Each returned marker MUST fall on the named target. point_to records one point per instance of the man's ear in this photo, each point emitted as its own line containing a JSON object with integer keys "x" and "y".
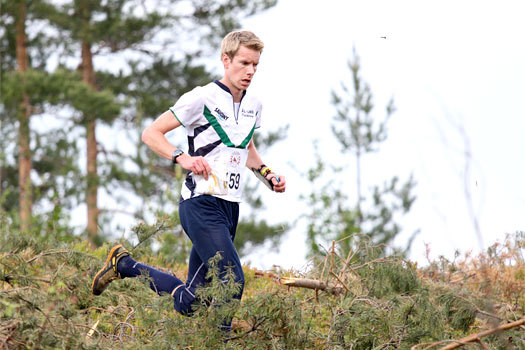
{"x": 226, "y": 60}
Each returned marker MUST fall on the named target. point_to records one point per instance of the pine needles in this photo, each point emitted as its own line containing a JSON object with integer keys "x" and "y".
{"x": 377, "y": 302}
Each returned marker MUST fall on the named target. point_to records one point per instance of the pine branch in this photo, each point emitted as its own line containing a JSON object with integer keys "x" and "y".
{"x": 304, "y": 282}
{"x": 477, "y": 337}
{"x": 312, "y": 284}
{"x": 473, "y": 338}
{"x": 50, "y": 252}
{"x": 254, "y": 328}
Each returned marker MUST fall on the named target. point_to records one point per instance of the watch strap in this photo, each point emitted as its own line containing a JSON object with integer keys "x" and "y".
{"x": 175, "y": 155}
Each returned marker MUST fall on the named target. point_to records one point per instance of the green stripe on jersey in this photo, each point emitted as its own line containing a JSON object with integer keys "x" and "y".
{"x": 217, "y": 127}
{"x": 222, "y": 134}
{"x": 247, "y": 139}
{"x": 176, "y": 116}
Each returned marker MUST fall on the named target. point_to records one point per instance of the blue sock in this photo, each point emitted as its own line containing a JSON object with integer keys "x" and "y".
{"x": 159, "y": 281}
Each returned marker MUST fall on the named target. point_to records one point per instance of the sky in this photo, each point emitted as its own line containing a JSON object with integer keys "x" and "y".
{"x": 456, "y": 72}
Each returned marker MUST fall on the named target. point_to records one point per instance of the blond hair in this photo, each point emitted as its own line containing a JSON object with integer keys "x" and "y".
{"x": 231, "y": 42}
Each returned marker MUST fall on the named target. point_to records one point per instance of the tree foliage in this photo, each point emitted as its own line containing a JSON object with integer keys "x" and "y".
{"x": 158, "y": 51}
{"x": 358, "y": 132}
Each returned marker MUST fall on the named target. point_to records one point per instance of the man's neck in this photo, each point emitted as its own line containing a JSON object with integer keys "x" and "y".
{"x": 236, "y": 93}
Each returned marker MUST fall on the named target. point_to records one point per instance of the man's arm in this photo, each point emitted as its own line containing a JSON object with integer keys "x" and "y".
{"x": 154, "y": 137}
{"x": 254, "y": 161}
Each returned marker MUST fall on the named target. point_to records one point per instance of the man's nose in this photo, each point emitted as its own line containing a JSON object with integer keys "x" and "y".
{"x": 251, "y": 69}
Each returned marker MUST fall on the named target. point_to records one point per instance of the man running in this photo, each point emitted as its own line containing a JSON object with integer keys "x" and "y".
{"x": 220, "y": 119}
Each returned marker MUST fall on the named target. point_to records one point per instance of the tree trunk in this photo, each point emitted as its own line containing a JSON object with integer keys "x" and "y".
{"x": 359, "y": 197}
{"x": 24, "y": 161}
{"x": 88, "y": 76}
{"x": 358, "y": 145}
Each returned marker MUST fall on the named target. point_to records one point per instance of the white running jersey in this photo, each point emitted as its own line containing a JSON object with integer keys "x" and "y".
{"x": 219, "y": 132}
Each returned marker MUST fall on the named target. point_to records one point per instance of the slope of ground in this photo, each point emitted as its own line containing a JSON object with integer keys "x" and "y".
{"x": 360, "y": 300}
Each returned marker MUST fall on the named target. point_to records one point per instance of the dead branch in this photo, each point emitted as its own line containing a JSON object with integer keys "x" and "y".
{"x": 337, "y": 277}
{"x": 271, "y": 275}
{"x": 476, "y": 337}
{"x": 104, "y": 310}
{"x": 7, "y": 333}
{"x": 254, "y": 328}
{"x": 92, "y": 330}
{"x": 331, "y": 260}
{"x": 311, "y": 284}
{"x": 38, "y": 279}
{"x": 51, "y": 252}
{"x": 429, "y": 346}
{"x": 349, "y": 258}
{"x": 305, "y": 282}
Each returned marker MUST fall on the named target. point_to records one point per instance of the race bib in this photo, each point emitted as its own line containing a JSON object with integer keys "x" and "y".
{"x": 227, "y": 172}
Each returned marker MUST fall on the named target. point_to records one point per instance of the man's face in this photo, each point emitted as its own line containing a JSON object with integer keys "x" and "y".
{"x": 239, "y": 71}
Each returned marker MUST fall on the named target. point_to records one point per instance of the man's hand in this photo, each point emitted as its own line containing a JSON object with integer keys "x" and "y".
{"x": 197, "y": 165}
{"x": 278, "y": 182}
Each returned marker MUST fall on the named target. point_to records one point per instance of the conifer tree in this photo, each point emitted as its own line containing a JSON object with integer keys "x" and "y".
{"x": 105, "y": 26}
{"x": 51, "y": 156}
{"x": 19, "y": 9}
{"x": 22, "y": 81}
{"x": 157, "y": 78}
{"x": 130, "y": 97}
{"x": 359, "y": 133}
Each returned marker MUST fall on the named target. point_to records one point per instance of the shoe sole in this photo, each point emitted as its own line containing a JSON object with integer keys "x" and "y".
{"x": 108, "y": 261}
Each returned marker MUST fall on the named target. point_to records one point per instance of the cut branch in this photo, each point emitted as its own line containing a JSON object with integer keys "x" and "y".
{"x": 312, "y": 284}
{"x": 305, "y": 282}
{"x": 475, "y": 338}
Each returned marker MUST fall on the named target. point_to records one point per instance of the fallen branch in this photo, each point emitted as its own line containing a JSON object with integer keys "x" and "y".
{"x": 428, "y": 346}
{"x": 337, "y": 277}
{"x": 271, "y": 275}
{"x": 92, "y": 330}
{"x": 311, "y": 284}
{"x": 476, "y": 337}
{"x": 304, "y": 282}
{"x": 53, "y": 252}
{"x": 253, "y": 328}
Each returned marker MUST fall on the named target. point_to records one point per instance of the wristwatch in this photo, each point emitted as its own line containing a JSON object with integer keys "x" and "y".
{"x": 175, "y": 155}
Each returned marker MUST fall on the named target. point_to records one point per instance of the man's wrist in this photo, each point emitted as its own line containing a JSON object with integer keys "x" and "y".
{"x": 264, "y": 170}
{"x": 176, "y": 154}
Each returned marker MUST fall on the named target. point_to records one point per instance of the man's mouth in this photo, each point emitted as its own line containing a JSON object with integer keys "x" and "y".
{"x": 246, "y": 81}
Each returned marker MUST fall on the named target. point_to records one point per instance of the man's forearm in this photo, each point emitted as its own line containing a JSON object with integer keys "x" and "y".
{"x": 254, "y": 160}
{"x": 158, "y": 143}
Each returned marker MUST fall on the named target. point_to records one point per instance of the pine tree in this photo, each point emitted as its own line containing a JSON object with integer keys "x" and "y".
{"x": 51, "y": 156}
{"x": 127, "y": 98}
{"x": 151, "y": 84}
{"x": 23, "y": 116}
{"x": 359, "y": 133}
{"x": 99, "y": 24}
{"x": 24, "y": 94}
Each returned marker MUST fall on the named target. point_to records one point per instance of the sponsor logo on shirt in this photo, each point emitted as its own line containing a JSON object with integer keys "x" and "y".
{"x": 221, "y": 114}
{"x": 235, "y": 159}
{"x": 248, "y": 113}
